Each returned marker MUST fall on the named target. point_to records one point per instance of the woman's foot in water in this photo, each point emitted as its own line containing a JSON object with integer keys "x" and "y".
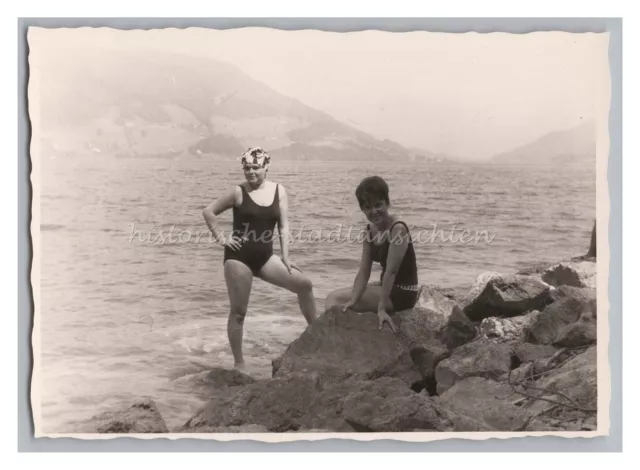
{"x": 239, "y": 366}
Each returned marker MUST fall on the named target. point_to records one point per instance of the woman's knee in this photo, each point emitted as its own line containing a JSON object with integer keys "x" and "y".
{"x": 304, "y": 286}
{"x": 237, "y": 315}
{"x": 334, "y": 298}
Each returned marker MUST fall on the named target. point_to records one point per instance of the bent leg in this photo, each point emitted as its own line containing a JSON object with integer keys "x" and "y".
{"x": 338, "y": 297}
{"x": 239, "y": 279}
{"x": 367, "y": 303}
{"x": 275, "y": 272}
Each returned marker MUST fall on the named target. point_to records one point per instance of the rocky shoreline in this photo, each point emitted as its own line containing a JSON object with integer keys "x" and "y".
{"x": 516, "y": 353}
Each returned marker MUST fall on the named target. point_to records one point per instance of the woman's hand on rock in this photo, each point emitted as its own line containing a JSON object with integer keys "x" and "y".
{"x": 383, "y": 317}
{"x": 348, "y": 305}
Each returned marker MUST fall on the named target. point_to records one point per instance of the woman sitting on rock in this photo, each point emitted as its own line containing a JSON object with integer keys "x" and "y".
{"x": 388, "y": 242}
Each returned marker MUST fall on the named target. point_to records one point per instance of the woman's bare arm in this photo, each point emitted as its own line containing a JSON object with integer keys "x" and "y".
{"x": 283, "y": 224}
{"x": 215, "y": 208}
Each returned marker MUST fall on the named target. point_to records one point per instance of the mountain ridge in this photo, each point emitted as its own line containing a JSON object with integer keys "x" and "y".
{"x": 159, "y": 103}
{"x": 573, "y": 145}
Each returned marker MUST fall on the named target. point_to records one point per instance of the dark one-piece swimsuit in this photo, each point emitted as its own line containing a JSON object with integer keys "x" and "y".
{"x": 405, "y": 290}
{"x": 254, "y": 224}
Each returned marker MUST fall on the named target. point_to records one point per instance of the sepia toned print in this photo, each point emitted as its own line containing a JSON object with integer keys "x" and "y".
{"x": 276, "y": 235}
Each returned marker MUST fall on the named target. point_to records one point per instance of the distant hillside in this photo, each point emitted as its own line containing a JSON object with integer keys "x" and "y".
{"x": 155, "y": 103}
{"x": 567, "y": 146}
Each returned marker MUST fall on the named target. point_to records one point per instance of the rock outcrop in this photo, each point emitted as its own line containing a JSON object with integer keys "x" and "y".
{"x": 556, "y": 323}
{"x": 507, "y": 296}
{"x": 141, "y": 417}
{"x": 341, "y": 345}
{"x": 528, "y": 352}
{"x": 508, "y": 329}
{"x": 426, "y": 357}
{"x": 517, "y": 353}
{"x": 384, "y": 405}
{"x": 437, "y": 343}
{"x": 477, "y": 359}
{"x": 576, "y": 274}
{"x": 459, "y": 329}
{"x": 437, "y": 300}
{"x": 488, "y": 402}
{"x": 577, "y": 379}
{"x": 280, "y": 404}
{"x": 574, "y": 385}
{"x": 442, "y": 371}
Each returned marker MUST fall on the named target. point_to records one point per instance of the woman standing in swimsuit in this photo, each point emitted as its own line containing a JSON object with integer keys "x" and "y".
{"x": 388, "y": 242}
{"x": 258, "y": 206}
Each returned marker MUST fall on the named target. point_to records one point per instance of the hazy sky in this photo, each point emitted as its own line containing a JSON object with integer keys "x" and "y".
{"x": 471, "y": 95}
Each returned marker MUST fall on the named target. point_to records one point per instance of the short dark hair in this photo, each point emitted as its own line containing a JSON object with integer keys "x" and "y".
{"x": 372, "y": 187}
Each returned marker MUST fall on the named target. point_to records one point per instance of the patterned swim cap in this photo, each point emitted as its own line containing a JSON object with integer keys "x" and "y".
{"x": 256, "y": 156}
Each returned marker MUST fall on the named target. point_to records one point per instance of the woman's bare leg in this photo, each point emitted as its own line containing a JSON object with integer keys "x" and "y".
{"x": 239, "y": 279}
{"x": 367, "y": 303}
{"x": 276, "y": 273}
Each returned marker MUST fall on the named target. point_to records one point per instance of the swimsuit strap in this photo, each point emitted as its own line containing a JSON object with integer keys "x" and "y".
{"x": 403, "y": 223}
{"x": 398, "y": 222}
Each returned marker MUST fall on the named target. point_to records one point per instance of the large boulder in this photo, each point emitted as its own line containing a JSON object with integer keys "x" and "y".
{"x": 459, "y": 329}
{"x": 508, "y": 296}
{"x": 528, "y": 352}
{"x": 522, "y": 372}
{"x": 576, "y": 379}
{"x": 574, "y": 273}
{"x": 437, "y": 345}
{"x": 480, "y": 283}
{"x": 431, "y": 336}
{"x": 341, "y": 345}
{"x": 419, "y": 326}
{"x": 299, "y": 403}
{"x": 580, "y": 333}
{"x": 487, "y": 402}
{"x": 427, "y": 356}
{"x": 579, "y": 294}
{"x": 437, "y": 300}
{"x": 570, "y": 306}
{"x": 480, "y": 358}
{"x": 512, "y": 329}
{"x": 141, "y": 417}
{"x": 281, "y": 404}
{"x": 386, "y": 405}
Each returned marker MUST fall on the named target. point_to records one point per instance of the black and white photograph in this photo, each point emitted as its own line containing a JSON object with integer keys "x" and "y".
{"x": 255, "y": 233}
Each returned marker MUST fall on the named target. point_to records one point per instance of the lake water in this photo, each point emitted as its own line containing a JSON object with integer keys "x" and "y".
{"x": 125, "y": 316}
